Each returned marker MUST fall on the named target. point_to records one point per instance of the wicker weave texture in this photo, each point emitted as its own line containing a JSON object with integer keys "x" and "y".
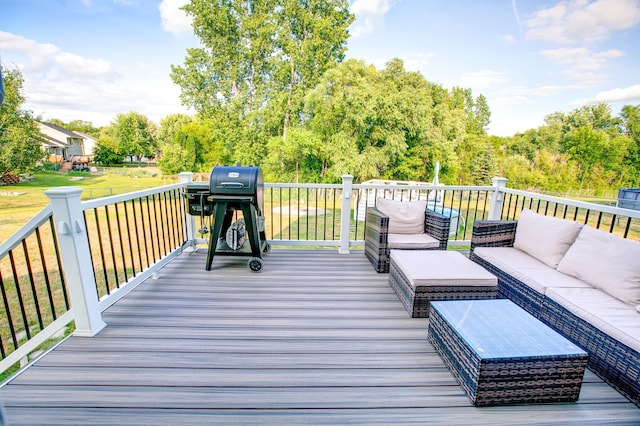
{"x": 417, "y": 301}
{"x": 614, "y": 362}
{"x": 493, "y": 233}
{"x": 376, "y": 245}
{"x": 510, "y": 381}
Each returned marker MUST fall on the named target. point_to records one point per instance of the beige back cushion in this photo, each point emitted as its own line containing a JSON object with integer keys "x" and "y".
{"x": 405, "y": 217}
{"x": 607, "y": 262}
{"x": 545, "y": 238}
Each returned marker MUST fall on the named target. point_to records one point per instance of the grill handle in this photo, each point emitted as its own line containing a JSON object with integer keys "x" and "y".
{"x": 232, "y": 184}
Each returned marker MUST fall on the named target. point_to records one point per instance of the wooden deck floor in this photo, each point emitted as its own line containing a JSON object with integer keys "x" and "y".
{"x": 316, "y": 338}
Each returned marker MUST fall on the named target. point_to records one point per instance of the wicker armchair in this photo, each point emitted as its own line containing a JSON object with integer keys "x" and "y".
{"x": 377, "y": 245}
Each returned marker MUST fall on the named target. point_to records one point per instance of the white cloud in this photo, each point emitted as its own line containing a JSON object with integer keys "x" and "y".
{"x": 581, "y": 57}
{"x": 416, "y": 61}
{"x": 625, "y": 94}
{"x": 47, "y": 59}
{"x": 67, "y": 86}
{"x": 72, "y": 65}
{"x": 482, "y": 79}
{"x": 582, "y": 62}
{"x": 369, "y": 14}
{"x": 38, "y": 56}
{"x": 518, "y": 95}
{"x": 174, "y": 19}
{"x": 582, "y": 21}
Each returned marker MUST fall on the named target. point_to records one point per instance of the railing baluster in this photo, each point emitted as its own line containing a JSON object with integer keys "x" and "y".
{"x": 101, "y": 250}
{"x": 599, "y": 220}
{"x": 152, "y": 233}
{"x": 32, "y": 283}
{"x": 130, "y": 238}
{"x": 145, "y": 242}
{"x": 627, "y": 227}
{"x": 16, "y": 281}
{"x": 159, "y": 228}
{"x": 45, "y": 274}
{"x": 315, "y": 234}
{"x": 9, "y": 317}
{"x": 120, "y": 240}
{"x": 59, "y": 263}
{"x": 168, "y": 208}
{"x": 137, "y": 234}
{"x": 182, "y": 222}
{"x": 111, "y": 248}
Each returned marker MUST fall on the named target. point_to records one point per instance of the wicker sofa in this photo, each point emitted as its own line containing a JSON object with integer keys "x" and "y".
{"x": 582, "y": 282}
{"x": 403, "y": 225}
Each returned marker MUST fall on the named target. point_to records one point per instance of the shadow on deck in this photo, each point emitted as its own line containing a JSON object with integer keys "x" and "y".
{"x": 317, "y": 337}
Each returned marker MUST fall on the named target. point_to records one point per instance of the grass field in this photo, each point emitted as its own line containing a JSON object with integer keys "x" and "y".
{"x": 20, "y": 202}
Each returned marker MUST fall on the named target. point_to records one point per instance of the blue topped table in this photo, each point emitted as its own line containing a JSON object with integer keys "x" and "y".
{"x": 500, "y": 354}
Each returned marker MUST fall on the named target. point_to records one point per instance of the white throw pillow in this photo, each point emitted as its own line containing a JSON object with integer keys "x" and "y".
{"x": 545, "y": 238}
{"x": 607, "y": 262}
{"x": 405, "y": 217}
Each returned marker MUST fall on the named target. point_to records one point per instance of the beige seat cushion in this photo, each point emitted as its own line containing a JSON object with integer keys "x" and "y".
{"x": 412, "y": 241}
{"x": 405, "y": 217}
{"x": 605, "y": 312}
{"x": 545, "y": 238}
{"x": 527, "y": 269}
{"x": 441, "y": 268}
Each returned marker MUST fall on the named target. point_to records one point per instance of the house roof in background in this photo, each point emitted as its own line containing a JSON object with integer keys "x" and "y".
{"x": 60, "y": 129}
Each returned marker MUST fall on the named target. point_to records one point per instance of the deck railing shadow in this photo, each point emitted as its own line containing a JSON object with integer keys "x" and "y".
{"x": 74, "y": 259}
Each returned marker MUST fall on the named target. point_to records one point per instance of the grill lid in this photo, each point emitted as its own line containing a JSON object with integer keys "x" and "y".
{"x": 237, "y": 181}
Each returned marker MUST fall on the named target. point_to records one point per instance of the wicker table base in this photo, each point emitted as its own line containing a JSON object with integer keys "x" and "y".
{"x": 418, "y": 277}
{"x": 502, "y": 355}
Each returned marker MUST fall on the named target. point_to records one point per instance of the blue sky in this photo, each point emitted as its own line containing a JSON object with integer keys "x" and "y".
{"x": 93, "y": 59}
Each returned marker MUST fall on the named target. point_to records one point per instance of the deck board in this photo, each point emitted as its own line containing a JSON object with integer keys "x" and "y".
{"x": 317, "y": 337}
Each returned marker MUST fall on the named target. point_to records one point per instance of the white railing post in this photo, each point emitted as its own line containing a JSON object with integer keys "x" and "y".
{"x": 187, "y": 177}
{"x": 345, "y": 219}
{"x": 76, "y": 259}
{"x": 497, "y": 199}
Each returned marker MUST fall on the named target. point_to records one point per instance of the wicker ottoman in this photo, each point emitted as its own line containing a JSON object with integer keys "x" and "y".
{"x": 419, "y": 276}
{"x": 500, "y": 354}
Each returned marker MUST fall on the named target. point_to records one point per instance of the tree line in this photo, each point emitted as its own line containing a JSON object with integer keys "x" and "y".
{"x": 271, "y": 87}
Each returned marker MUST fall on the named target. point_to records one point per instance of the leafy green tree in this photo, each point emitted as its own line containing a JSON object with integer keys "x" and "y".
{"x": 389, "y": 123}
{"x": 598, "y": 116}
{"x": 170, "y": 126}
{"x": 256, "y": 60}
{"x": 20, "y": 138}
{"x": 298, "y": 158}
{"x": 478, "y": 115}
{"x": 134, "y": 134}
{"x": 311, "y": 36}
{"x": 353, "y": 115}
{"x": 631, "y": 124}
{"x": 596, "y": 153}
{"x": 190, "y": 144}
{"x": 107, "y": 151}
{"x": 476, "y": 160}
{"x": 77, "y": 126}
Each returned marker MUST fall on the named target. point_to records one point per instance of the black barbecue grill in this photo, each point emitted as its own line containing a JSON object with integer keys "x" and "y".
{"x": 232, "y": 190}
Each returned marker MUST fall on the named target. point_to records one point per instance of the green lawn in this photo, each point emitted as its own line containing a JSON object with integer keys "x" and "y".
{"x": 21, "y": 201}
